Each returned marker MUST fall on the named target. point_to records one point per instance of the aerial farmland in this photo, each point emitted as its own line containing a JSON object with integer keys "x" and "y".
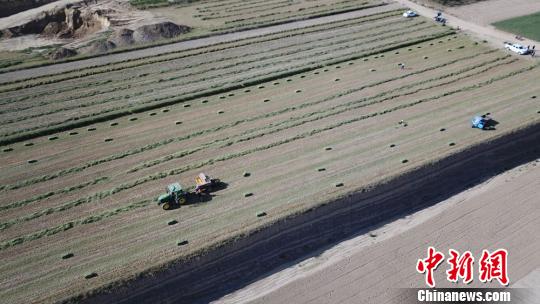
{"x": 298, "y": 117}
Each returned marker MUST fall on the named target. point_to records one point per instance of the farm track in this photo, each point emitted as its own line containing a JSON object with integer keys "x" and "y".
{"x": 327, "y": 127}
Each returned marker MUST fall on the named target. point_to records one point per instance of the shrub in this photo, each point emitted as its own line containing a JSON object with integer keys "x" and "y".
{"x": 67, "y": 256}
{"x": 248, "y": 194}
{"x": 172, "y": 222}
{"x": 182, "y": 243}
{"x": 261, "y": 214}
{"x": 339, "y": 185}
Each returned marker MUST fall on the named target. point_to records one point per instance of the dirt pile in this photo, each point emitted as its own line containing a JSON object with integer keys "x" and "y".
{"x": 68, "y": 22}
{"x": 89, "y": 27}
{"x": 152, "y": 32}
{"x": 62, "y": 53}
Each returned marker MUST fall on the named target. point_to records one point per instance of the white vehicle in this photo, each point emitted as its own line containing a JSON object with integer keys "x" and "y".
{"x": 516, "y": 48}
{"x": 409, "y": 14}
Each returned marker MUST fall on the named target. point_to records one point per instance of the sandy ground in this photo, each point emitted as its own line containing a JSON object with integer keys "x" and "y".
{"x": 503, "y": 212}
{"x": 474, "y": 21}
{"x": 487, "y": 12}
{"x": 185, "y": 45}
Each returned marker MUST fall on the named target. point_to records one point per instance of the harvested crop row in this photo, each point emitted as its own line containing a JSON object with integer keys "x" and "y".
{"x": 95, "y": 116}
{"x": 146, "y": 148}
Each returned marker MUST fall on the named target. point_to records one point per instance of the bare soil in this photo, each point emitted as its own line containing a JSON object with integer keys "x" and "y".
{"x": 370, "y": 268}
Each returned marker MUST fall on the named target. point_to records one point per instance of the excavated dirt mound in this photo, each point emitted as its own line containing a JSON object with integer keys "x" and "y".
{"x": 62, "y": 53}
{"x": 68, "y": 22}
{"x": 157, "y": 31}
{"x": 98, "y": 47}
{"x": 83, "y": 26}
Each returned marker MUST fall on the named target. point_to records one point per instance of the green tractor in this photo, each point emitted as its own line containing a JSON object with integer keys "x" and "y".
{"x": 175, "y": 197}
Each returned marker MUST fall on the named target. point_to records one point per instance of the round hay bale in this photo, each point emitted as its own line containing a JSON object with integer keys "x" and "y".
{"x": 452, "y": 144}
{"x": 328, "y": 148}
{"x": 221, "y": 112}
{"x": 404, "y": 161}
{"x": 298, "y": 91}
{"x": 177, "y": 122}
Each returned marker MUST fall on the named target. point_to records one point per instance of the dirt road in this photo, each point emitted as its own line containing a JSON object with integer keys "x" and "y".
{"x": 476, "y": 27}
{"x": 503, "y": 212}
{"x": 185, "y": 45}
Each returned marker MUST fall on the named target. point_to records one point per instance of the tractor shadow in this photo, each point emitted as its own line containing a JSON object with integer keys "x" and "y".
{"x": 490, "y": 125}
{"x": 194, "y": 199}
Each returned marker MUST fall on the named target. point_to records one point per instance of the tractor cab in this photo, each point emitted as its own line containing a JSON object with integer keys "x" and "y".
{"x": 439, "y": 18}
{"x": 174, "y": 197}
{"x": 481, "y": 122}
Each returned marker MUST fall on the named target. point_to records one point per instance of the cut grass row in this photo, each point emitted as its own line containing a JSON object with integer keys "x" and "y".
{"x": 205, "y": 34}
{"x": 219, "y": 76}
{"x": 177, "y": 56}
{"x": 298, "y": 17}
{"x": 176, "y": 171}
{"x": 170, "y": 100}
{"x": 165, "y": 142}
{"x": 245, "y": 59}
{"x": 40, "y": 197}
{"x": 201, "y": 72}
{"x": 314, "y": 116}
{"x": 292, "y": 122}
{"x": 163, "y": 57}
